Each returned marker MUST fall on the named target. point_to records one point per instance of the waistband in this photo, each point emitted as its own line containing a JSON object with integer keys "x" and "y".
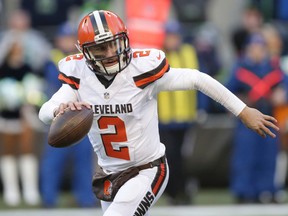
{"x": 154, "y": 163}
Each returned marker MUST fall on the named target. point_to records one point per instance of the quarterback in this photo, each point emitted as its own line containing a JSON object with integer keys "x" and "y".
{"x": 120, "y": 85}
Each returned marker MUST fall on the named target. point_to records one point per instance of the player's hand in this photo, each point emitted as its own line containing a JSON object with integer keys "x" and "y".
{"x": 73, "y": 105}
{"x": 258, "y": 122}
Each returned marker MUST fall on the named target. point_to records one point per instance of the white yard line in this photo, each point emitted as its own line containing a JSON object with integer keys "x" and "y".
{"x": 231, "y": 210}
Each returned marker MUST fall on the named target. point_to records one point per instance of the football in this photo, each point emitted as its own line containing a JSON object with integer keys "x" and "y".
{"x": 70, "y": 127}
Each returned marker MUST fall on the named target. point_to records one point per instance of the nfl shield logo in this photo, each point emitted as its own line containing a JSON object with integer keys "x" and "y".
{"x": 106, "y": 95}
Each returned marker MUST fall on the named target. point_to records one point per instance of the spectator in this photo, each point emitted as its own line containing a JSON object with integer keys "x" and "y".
{"x": 206, "y": 40}
{"x": 47, "y": 15}
{"x": 177, "y": 112}
{"x": 273, "y": 40}
{"x": 252, "y": 21}
{"x": 17, "y": 81}
{"x": 36, "y": 47}
{"x": 275, "y": 47}
{"x": 54, "y": 161}
{"x": 256, "y": 80}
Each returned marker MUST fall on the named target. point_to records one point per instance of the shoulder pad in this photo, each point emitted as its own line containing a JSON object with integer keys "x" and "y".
{"x": 150, "y": 64}
{"x": 148, "y": 59}
{"x": 69, "y": 69}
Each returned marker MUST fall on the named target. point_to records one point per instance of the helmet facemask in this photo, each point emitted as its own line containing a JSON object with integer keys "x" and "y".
{"x": 109, "y": 56}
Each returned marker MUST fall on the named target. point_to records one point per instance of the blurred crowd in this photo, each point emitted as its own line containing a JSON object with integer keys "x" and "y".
{"x": 36, "y": 34}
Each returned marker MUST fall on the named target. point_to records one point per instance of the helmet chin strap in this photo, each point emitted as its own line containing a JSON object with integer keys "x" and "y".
{"x": 112, "y": 70}
{"x": 108, "y": 70}
{"x": 102, "y": 70}
{"x": 99, "y": 68}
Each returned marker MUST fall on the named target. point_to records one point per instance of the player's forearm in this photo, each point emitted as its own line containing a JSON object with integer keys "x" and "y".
{"x": 64, "y": 94}
{"x": 46, "y": 113}
{"x": 219, "y": 93}
{"x": 183, "y": 79}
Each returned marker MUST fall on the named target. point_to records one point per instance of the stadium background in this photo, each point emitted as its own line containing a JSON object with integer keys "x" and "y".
{"x": 208, "y": 147}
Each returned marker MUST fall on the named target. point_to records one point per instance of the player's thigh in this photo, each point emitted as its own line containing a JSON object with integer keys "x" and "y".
{"x": 139, "y": 193}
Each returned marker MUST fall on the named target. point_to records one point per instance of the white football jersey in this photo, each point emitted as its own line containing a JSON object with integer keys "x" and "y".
{"x": 125, "y": 128}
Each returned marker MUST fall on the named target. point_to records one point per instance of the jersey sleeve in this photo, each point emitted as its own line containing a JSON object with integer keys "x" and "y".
{"x": 63, "y": 95}
{"x": 151, "y": 65}
{"x": 69, "y": 70}
{"x": 188, "y": 79}
{"x": 69, "y": 74}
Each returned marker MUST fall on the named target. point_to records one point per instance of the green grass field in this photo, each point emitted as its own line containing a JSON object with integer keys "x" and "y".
{"x": 204, "y": 197}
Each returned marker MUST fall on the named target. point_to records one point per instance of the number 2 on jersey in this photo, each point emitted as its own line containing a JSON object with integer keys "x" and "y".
{"x": 118, "y": 136}
{"x": 74, "y": 57}
{"x": 141, "y": 53}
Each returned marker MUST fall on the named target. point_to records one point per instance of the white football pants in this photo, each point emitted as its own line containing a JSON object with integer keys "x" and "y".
{"x": 139, "y": 194}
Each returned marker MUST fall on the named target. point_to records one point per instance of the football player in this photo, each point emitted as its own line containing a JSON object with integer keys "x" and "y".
{"x": 121, "y": 84}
